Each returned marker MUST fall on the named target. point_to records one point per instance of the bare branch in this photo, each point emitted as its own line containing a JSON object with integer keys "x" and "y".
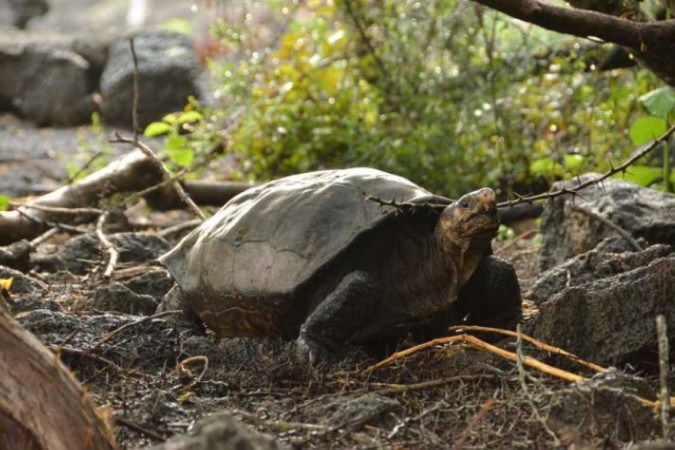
{"x": 642, "y": 36}
{"x": 620, "y": 231}
{"x": 113, "y": 254}
{"x": 167, "y": 173}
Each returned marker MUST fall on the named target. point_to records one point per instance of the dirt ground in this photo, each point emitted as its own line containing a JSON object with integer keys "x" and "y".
{"x": 154, "y": 381}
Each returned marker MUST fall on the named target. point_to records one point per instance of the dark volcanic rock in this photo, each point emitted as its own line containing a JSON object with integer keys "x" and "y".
{"x": 605, "y": 406}
{"x": 590, "y": 266}
{"x": 24, "y": 10}
{"x": 82, "y": 253}
{"x": 168, "y": 72}
{"x": 146, "y": 346}
{"x": 218, "y": 432}
{"x": 155, "y": 282}
{"x": 119, "y": 298}
{"x": 50, "y": 79}
{"x": 645, "y": 213}
{"x": 22, "y": 283}
{"x": 611, "y": 320}
{"x": 16, "y": 255}
{"x": 354, "y": 413}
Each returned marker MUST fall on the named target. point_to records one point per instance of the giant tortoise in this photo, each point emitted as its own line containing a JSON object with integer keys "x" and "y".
{"x": 317, "y": 257}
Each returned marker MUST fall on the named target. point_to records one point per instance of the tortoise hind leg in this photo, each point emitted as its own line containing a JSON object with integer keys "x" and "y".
{"x": 348, "y": 308}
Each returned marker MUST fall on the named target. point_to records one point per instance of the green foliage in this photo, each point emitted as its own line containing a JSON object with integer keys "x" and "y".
{"x": 449, "y": 94}
{"x": 4, "y": 202}
{"x": 505, "y": 233}
{"x": 178, "y": 148}
{"x": 646, "y": 129}
{"x": 660, "y": 103}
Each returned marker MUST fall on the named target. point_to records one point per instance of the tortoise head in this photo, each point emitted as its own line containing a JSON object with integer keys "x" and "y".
{"x": 466, "y": 228}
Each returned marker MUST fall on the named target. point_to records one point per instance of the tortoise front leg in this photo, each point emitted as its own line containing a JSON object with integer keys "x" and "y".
{"x": 347, "y": 309}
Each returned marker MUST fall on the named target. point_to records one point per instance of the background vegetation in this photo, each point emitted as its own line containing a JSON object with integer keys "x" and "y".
{"x": 447, "y": 93}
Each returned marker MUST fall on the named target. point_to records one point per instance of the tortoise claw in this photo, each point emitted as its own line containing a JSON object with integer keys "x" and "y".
{"x": 311, "y": 352}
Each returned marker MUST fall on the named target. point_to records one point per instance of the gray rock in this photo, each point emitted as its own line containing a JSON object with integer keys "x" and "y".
{"x": 610, "y": 320}
{"x": 354, "y": 413}
{"x": 604, "y": 406}
{"x": 16, "y": 255}
{"x": 82, "y": 253}
{"x": 25, "y": 10}
{"x": 168, "y": 72}
{"x": 118, "y": 298}
{"x": 147, "y": 347}
{"x": 591, "y": 266}
{"x": 218, "y": 432}
{"x": 22, "y": 284}
{"x": 50, "y": 79}
{"x": 645, "y": 213}
{"x": 156, "y": 282}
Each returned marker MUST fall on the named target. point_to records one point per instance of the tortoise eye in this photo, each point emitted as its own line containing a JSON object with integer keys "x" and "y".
{"x": 464, "y": 203}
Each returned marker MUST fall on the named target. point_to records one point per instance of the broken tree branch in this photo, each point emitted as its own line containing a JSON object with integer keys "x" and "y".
{"x": 41, "y": 403}
{"x": 653, "y": 43}
{"x": 158, "y": 164}
{"x": 588, "y": 24}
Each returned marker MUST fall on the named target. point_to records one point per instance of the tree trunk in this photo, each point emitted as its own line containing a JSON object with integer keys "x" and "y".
{"x": 42, "y": 406}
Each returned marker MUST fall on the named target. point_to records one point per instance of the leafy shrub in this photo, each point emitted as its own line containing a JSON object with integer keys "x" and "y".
{"x": 446, "y": 93}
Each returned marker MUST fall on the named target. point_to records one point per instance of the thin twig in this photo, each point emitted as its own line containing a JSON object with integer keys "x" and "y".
{"x": 515, "y": 240}
{"x": 70, "y": 351}
{"x": 146, "y": 149}
{"x": 404, "y": 206}
{"x": 178, "y": 228}
{"x": 397, "y": 389}
{"x": 531, "y": 340}
{"x": 664, "y": 368}
{"x": 119, "y": 420}
{"x": 526, "y": 391}
{"x": 58, "y": 210}
{"x": 43, "y": 237}
{"x": 477, "y": 343}
{"x": 612, "y": 171}
{"x": 484, "y": 408}
{"x": 176, "y": 185}
{"x": 137, "y": 92}
{"x": 117, "y": 331}
{"x": 113, "y": 254}
{"x": 620, "y": 231}
{"x": 199, "y": 358}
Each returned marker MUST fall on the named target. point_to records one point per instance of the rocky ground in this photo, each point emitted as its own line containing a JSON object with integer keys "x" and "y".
{"x": 157, "y": 381}
{"x": 586, "y": 289}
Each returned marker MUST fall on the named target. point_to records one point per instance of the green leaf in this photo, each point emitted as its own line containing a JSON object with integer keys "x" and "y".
{"x": 157, "y": 129}
{"x": 573, "y": 162}
{"x": 543, "y": 166}
{"x": 190, "y": 116}
{"x": 646, "y": 129}
{"x": 177, "y": 150}
{"x": 642, "y": 175}
{"x": 170, "y": 118}
{"x": 4, "y": 202}
{"x": 659, "y": 102}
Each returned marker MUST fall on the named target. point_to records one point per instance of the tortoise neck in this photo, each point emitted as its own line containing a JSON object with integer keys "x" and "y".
{"x": 461, "y": 256}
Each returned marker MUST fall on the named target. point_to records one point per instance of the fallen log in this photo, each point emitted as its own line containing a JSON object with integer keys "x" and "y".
{"x": 42, "y": 406}
{"x": 132, "y": 172}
